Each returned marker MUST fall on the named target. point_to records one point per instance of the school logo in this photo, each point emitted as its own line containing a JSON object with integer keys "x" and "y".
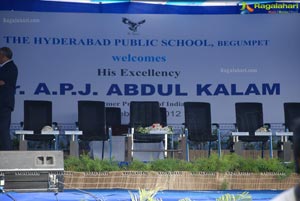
{"x": 132, "y": 26}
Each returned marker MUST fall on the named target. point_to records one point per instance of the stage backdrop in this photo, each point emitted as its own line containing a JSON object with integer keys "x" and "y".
{"x": 118, "y": 58}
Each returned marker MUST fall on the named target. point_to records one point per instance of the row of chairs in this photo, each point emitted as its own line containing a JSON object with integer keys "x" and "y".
{"x": 38, "y": 114}
{"x": 94, "y": 119}
{"x": 249, "y": 119}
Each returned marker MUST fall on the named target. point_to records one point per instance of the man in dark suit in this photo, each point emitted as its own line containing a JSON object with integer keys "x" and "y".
{"x": 8, "y": 79}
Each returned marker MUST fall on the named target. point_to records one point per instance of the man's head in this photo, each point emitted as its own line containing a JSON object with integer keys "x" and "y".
{"x": 296, "y": 143}
{"x": 5, "y": 54}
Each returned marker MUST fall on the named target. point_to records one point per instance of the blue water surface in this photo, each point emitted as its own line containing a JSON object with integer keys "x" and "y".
{"x": 123, "y": 195}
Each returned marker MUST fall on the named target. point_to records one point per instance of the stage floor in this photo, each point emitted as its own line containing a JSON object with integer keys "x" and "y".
{"x": 124, "y": 195}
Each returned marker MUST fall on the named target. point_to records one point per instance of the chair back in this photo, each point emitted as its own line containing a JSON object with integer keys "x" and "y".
{"x": 197, "y": 117}
{"x": 163, "y": 116}
{"x": 91, "y": 120}
{"x": 37, "y": 114}
{"x": 113, "y": 116}
{"x": 144, "y": 113}
{"x": 249, "y": 118}
{"x": 113, "y": 120}
{"x": 291, "y": 115}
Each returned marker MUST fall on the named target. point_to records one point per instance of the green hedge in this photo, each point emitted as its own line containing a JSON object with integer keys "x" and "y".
{"x": 227, "y": 163}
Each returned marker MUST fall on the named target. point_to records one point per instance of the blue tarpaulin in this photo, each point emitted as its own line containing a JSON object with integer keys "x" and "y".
{"x": 124, "y": 195}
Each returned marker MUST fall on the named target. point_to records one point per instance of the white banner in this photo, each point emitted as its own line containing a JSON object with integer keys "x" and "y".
{"x": 118, "y": 58}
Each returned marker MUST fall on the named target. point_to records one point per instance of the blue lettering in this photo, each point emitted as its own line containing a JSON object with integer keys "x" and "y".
{"x": 114, "y": 89}
{"x": 185, "y": 43}
{"x": 87, "y": 90}
{"x": 64, "y": 87}
{"x": 221, "y": 89}
{"x": 42, "y": 88}
{"x": 149, "y": 92}
{"x": 178, "y": 91}
{"x": 267, "y": 89}
{"x": 203, "y": 89}
{"x": 167, "y": 93}
{"x": 146, "y": 90}
{"x": 234, "y": 92}
{"x": 252, "y": 89}
{"x": 131, "y": 90}
{"x": 116, "y": 58}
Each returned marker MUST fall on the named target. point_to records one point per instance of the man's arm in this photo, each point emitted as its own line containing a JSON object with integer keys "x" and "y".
{"x": 2, "y": 83}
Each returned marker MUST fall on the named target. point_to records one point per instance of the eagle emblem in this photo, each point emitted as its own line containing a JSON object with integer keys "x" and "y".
{"x": 132, "y": 26}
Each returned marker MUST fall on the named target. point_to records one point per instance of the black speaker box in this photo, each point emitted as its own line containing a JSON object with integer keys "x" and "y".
{"x": 32, "y": 170}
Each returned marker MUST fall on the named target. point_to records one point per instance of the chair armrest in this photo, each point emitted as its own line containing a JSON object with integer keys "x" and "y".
{"x": 74, "y": 134}
{"x": 24, "y": 132}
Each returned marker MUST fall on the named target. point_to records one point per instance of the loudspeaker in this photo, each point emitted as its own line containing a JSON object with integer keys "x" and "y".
{"x": 32, "y": 170}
